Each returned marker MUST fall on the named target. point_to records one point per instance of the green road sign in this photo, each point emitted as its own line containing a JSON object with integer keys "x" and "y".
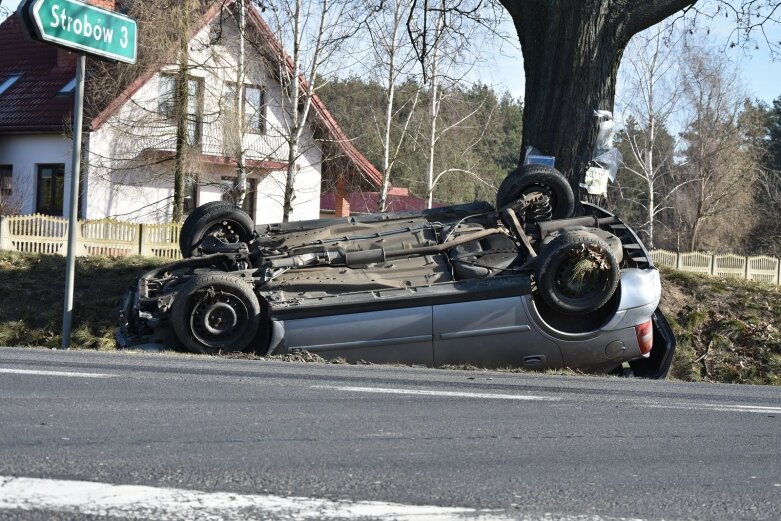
{"x": 83, "y": 27}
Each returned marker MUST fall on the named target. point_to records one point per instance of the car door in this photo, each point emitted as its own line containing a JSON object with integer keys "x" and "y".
{"x": 385, "y": 336}
{"x": 490, "y": 333}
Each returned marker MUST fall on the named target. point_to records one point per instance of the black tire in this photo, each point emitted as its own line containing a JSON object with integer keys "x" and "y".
{"x": 220, "y": 219}
{"x": 529, "y": 179}
{"x": 187, "y": 226}
{"x": 216, "y": 313}
{"x": 554, "y": 273}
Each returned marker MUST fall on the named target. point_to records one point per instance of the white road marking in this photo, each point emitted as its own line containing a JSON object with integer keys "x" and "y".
{"x": 55, "y": 373}
{"x": 141, "y": 502}
{"x": 719, "y": 407}
{"x": 426, "y": 392}
{"x": 692, "y": 406}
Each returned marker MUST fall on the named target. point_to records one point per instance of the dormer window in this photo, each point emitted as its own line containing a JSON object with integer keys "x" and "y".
{"x": 10, "y": 80}
{"x": 68, "y": 88}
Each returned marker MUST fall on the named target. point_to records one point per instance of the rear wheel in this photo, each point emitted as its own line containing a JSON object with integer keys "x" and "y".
{"x": 576, "y": 272}
{"x": 219, "y": 219}
{"x": 216, "y": 313}
{"x": 542, "y": 179}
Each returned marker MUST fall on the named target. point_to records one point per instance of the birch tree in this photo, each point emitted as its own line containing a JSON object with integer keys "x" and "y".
{"x": 315, "y": 32}
{"x": 445, "y": 45}
{"x": 393, "y": 57}
{"x": 651, "y": 98}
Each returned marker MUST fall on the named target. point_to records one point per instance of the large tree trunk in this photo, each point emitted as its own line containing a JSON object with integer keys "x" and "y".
{"x": 571, "y": 53}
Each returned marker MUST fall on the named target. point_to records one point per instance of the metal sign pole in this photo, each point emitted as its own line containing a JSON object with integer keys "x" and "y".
{"x": 73, "y": 221}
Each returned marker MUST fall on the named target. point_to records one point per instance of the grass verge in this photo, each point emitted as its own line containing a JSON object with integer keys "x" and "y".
{"x": 727, "y": 330}
{"x": 32, "y": 290}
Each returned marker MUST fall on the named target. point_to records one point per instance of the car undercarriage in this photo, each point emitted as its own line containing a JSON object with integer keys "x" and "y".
{"x": 433, "y": 287}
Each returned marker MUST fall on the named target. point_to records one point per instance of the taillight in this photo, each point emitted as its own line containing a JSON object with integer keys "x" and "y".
{"x": 645, "y": 337}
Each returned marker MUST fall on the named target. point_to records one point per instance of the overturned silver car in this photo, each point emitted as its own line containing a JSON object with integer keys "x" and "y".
{"x": 522, "y": 284}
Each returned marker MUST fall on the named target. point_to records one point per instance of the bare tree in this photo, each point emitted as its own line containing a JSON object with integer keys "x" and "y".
{"x": 5, "y": 12}
{"x": 393, "y": 57}
{"x": 446, "y": 49}
{"x": 198, "y": 106}
{"x": 169, "y": 119}
{"x": 13, "y": 194}
{"x": 316, "y": 32}
{"x": 720, "y": 175}
{"x": 182, "y": 100}
{"x": 651, "y": 98}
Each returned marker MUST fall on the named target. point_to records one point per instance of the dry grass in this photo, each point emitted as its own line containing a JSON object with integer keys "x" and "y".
{"x": 33, "y": 288}
{"x": 727, "y": 330}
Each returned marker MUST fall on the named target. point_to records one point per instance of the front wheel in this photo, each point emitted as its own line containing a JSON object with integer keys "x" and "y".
{"x": 216, "y": 313}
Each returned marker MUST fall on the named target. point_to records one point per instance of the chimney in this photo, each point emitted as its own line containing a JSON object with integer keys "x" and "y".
{"x": 341, "y": 203}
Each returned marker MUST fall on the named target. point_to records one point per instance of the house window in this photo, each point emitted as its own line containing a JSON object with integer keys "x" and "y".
{"x": 10, "y": 80}
{"x": 166, "y": 100}
{"x": 166, "y": 105}
{"x": 254, "y": 105}
{"x": 255, "y": 108}
{"x": 51, "y": 189}
{"x": 194, "y": 110}
{"x": 6, "y": 180}
{"x": 229, "y": 186}
{"x": 68, "y": 88}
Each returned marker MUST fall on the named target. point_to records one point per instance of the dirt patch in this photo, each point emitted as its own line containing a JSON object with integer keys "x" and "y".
{"x": 674, "y": 299}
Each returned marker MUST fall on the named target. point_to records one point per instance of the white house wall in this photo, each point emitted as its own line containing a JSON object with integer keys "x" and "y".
{"x": 25, "y": 152}
{"x": 122, "y": 185}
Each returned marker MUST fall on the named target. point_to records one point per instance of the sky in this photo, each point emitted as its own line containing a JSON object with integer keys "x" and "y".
{"x": 503, "y": 68}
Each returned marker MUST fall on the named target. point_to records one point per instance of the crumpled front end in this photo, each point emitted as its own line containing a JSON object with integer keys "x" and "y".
{"x": 144, "y": 317}
{"x": 142, "y": 325}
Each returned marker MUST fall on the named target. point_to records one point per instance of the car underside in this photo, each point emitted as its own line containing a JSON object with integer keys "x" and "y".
{"x": 522, "y": 284}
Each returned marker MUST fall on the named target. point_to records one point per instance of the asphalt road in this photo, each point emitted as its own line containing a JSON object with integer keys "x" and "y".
{"x": 496, "y": 445}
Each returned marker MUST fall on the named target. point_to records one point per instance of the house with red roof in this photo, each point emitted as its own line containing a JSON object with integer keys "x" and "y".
{"x": 361, "y": 202}
{"x": 130, "y": 134}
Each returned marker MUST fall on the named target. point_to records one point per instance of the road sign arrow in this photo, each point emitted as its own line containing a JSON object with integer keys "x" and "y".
{"x": 82, "y": 27}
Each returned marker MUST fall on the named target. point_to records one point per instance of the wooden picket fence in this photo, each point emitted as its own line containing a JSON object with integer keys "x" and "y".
{"x": 45, "y": 234}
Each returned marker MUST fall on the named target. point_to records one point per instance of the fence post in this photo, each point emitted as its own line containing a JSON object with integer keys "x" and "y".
{"x": 5, "y": 234}
{"x": 79, "y": 245}
{"x": 140, "y": 239}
